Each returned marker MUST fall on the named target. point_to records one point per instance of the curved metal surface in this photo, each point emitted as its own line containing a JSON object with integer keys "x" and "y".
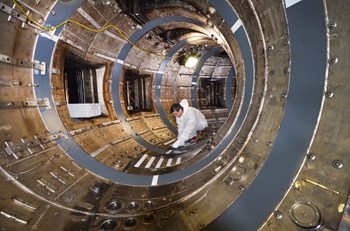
{"x": 106, "y": 173}
{"x": 308, "y": 44}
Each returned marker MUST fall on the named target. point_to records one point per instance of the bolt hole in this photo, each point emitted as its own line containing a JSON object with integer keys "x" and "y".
{"x": 108, "y": 225}
{"x": 114, "y": 206}
{"x": 148, "y": 219}
{"x": 130, "y": 223}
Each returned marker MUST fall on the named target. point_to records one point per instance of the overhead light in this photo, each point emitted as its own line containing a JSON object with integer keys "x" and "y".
{"x": 191, "y": 62}
{"x": 188, "y": 59}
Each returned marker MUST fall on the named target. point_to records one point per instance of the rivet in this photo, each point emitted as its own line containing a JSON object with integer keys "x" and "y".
{"x": 337, "y": 164}
{"x": 132, "y": 206}
{"x": 149, "y": 205}
{"x": 211, "y": 10}
{"x": 229, "y": 181}
{"x": 333, "y": 60}
{"x": 297, "y": 185}
{"x": 341, "y": 207}
{"x": 278, "y": 214}
{"x": 270, "y": 48}
{"x": 332, "y": 25}
{"x": 165, "y": 200}
{"x": 286, "y": 70}
{"x": 329, "y": 94}
{"x": 311, "y": 156}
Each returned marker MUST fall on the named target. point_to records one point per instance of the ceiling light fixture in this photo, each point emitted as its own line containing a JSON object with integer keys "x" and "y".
{"x": 191, "y": 61}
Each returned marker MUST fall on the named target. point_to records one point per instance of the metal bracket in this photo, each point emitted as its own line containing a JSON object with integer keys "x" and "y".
{"x": 12, "y": 149}
{"x": 37, "y": 103}
{"x": 41, "y": 66}
{"x": 60, "y": 103}
{"x": 28, "y": 103}
{"x": 17, "y": 83}
{"x": 55, "y": 71}
{"x": 88, "y": 17}
{"x": 13, "y": 14}
{"x": 72, "y": 43}
{"x": 80, "y": 130}
{"x": 54, "y": 136}
{"x": 105, "y": 124}
{"x": 37, "y": 65}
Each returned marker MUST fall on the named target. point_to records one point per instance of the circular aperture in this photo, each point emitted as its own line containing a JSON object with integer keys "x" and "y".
{"x": 305, "y": 214}
{"x": 108, "y": 224}
{"x": 113, "y": 206}
{"x": 130, "y": 223}
{"x": 148, "y": 219}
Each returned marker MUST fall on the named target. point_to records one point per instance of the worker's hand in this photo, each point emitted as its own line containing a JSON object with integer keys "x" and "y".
{"x": 178, "y": 144}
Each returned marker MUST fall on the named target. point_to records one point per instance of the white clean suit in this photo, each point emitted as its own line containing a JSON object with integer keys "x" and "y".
{"x": 191, "y": 121}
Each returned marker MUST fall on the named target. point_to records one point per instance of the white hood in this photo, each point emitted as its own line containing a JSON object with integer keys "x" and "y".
{"x": 184, "y": 103}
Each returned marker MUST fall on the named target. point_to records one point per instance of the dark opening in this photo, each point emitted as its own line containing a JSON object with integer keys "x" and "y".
{"x": 114, "y": 206}
{"x": 137, "y": 92}
{"x": 108, "y": 224}
{"x": 130, "y": 222}
{"x": 212, "y": 93}
{"x": 80, "y": 81}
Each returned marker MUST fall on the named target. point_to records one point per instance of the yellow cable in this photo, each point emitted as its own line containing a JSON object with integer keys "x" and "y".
{"x": 90, "y": 29}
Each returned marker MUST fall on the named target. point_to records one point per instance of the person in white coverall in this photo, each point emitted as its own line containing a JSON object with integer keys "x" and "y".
{"x": 189, "y": 120}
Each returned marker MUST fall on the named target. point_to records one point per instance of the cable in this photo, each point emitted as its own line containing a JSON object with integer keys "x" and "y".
{"x": 44, "y": 28}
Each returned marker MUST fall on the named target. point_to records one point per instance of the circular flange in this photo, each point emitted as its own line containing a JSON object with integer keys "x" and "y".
{"x": 238, "y": 172}
{"x": 305, "y": 214}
